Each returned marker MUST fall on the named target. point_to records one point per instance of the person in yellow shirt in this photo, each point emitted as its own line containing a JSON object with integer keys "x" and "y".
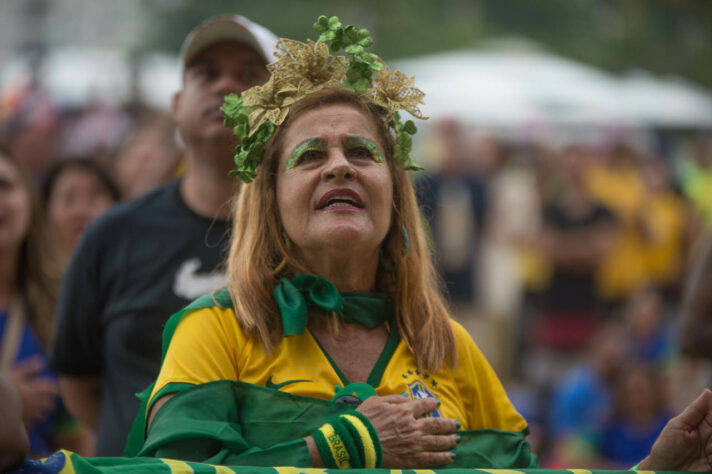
{"x": 668, "y": 217}
{"x": 617, "y": 184}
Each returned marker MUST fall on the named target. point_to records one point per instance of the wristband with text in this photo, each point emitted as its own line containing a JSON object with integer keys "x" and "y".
{"x": 349, "y": 441}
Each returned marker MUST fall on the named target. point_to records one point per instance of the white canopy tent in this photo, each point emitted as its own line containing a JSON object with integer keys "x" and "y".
{"x": 514, "y": 83}
{"x": 670, "y": 102}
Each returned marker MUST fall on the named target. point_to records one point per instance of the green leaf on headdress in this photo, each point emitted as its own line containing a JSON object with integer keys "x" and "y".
{"x": 245, "y": 176}
{"x": 350, "y": 38}
{"x": 404, "y": 142}
{"x": 364, "y": 38}
{"x": 409, "y": 127}
{"x": 358, "y": 76}
{"x": 321, "y": 24}
{"x": 264, "y": 132}
{"x": 355, "y": 40}
{"x": 373, "y": 61}
{"x": 242, "y": 129}
{"x": 231, "y": 109}
{"x": 353, "y": 49}
{"x": 328, "y": 27}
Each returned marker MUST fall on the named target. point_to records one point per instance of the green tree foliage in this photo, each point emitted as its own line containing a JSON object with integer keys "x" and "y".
{"x": 664, "y": 36}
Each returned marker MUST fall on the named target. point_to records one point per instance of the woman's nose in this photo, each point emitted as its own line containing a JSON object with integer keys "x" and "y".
{"x": 338, "y": 166}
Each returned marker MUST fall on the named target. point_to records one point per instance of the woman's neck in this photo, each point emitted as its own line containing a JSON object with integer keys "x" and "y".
{"x": 348, "y": 270}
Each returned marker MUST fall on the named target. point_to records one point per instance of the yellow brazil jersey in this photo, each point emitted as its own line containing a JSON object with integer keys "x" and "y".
{"x": 209, "y": 345}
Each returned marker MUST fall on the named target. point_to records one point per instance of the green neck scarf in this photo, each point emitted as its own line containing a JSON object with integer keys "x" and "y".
{"x": 294, "y": 297}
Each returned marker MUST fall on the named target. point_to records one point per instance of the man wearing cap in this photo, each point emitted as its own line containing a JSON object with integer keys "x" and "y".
{"x": 147, "y": 258}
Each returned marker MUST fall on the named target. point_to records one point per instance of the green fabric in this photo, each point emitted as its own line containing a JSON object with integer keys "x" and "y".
{"x": 361, "y": 391}
{"x": 66, "y": 462}
{"x": 227, "y": 422}
{"x": 295, "y": 296}
{"x": 136, "y": 436}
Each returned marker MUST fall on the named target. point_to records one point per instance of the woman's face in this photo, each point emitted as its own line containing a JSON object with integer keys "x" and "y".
{"x": 15, "y": 207}
{"x": 77, "y": 197}
{"x": 334, "y": 187}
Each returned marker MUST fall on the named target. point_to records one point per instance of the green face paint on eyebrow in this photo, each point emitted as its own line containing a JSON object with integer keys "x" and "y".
{"x": 354, "y": 141}
{"x": 310, "y": 144}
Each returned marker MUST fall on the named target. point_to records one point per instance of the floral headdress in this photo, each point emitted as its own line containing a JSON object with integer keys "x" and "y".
{"x": 304, "y": 68}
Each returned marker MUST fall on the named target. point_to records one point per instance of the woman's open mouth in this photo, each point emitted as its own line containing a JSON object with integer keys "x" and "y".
{"x": 340, "y": 200}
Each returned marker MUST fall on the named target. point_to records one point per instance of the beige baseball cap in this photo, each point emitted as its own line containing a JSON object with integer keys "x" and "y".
{"x": 228, "y": 28}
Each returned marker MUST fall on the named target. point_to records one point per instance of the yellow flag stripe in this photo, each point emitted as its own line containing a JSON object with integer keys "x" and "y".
{"x": 177, "y": 467}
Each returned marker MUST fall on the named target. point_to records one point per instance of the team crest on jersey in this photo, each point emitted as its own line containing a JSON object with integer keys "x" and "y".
{"x": 418, "y": 390}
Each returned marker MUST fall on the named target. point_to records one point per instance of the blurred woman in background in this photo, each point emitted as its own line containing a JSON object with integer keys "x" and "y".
{"x": 75, "y": 192}
{"x": 28, "y": 285}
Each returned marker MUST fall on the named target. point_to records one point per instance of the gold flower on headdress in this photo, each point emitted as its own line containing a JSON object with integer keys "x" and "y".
{"x": 269, "y": 101}
{"x": 394, "y": 91}
{"x": 307, "y": 66}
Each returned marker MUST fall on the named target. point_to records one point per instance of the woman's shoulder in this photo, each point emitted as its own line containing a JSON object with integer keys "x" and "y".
{"x": 208, "y": 313}
{"x": 463, "y": 338}
{"x": 469, "y": 355}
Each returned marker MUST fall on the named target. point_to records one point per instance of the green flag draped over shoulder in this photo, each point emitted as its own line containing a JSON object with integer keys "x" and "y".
{"x": 230, "y": 422}
{"x": 227, "y": 422}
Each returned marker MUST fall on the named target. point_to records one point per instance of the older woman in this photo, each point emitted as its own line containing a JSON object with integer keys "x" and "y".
{"x": 331, "y": 345}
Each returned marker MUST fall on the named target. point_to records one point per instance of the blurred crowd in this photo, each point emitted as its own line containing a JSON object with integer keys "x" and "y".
{"x": 59, "y": 170}
{"x": 566, "y": 263}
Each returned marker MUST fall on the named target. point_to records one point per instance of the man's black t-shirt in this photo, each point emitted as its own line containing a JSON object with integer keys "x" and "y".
{"x": 574, "y": 290}
{"x": 135, "y": 266}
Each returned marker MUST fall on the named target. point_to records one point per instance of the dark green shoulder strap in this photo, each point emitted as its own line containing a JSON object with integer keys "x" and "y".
{"x": 219, "y": 298}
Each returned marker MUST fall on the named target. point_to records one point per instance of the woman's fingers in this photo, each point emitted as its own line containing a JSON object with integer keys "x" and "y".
{"x": 423, "y": 406}
{"x": 397, "y": 399}
{"x": 439, "y": 442}
{"x": 437, "y": 425}
{"x": 433, "y": 459}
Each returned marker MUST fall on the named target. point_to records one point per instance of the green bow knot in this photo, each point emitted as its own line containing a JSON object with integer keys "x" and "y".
{"x": 295, "y": 296}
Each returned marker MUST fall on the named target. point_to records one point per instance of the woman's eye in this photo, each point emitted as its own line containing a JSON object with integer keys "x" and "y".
{"x": 361, "y": 152}
{"x": 310, "y": 155}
